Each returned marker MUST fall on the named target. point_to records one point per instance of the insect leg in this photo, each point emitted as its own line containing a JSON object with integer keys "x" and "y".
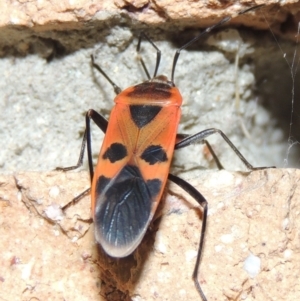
{"x": 194, "y": 193}
{"x": 158, "y": 54}
{"x": 117, "y": 89}
{"x": 203, "y": 134}
{"x": 76, "y": 199}
{"x": 80, "y": 159}
{"x": 180, "y": 137}
{"x": 101, "y": 122}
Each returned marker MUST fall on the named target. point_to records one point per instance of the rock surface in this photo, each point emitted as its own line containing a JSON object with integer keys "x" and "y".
{"x": 49, "y": 256}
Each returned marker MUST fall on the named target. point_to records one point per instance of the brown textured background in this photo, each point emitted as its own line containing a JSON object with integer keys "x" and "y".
{"x": 252, "y": 212}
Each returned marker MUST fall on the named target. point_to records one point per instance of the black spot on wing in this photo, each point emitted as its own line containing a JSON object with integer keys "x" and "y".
{"x": 126, "y": 207}
{"x": 143, "y": 114}
{"x": 115, "y": 152}
{"x": 102, "y": 182}
{"x": 154, "y": 154}
{"x": 154, "y": 186}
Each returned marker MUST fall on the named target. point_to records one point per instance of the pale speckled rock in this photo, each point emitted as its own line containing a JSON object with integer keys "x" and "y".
{"x": 47, "y": 82}
{"x": 249, "y": 213}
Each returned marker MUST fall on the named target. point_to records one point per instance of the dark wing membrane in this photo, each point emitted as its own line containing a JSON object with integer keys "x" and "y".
{"x": 123, "y": 210}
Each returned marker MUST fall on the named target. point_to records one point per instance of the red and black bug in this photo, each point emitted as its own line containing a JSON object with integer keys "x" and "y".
{"x": 135, "y": 157}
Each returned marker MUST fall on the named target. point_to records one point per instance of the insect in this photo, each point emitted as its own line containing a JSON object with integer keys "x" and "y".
{"x": 135, "y": 157}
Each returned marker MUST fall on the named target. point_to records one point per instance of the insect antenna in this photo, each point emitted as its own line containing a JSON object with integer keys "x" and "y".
{"x": 158, "y": 55}
{"x": 117, "y": 89}
{"x": 203, "y": 33}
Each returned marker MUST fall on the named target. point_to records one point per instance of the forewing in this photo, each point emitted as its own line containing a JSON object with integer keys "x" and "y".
{"x": 123, "y": 210}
